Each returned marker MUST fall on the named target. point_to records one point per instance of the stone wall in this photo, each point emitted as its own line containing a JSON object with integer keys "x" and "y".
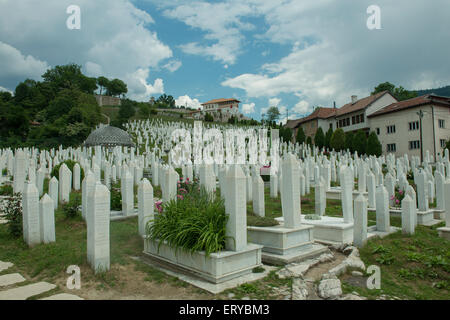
{"x": 107, "y": 100}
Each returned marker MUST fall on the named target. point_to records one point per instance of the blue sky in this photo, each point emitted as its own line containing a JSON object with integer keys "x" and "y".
{"x": 294, "y": 54}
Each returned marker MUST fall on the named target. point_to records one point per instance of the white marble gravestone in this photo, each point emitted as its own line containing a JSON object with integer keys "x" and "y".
{"x": 98, "y": 220}
{"x": 145, "y": 205}
{"x": 31, "y": 221}
{"x": 47, "y": 219}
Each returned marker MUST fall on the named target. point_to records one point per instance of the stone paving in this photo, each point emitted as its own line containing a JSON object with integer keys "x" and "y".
{"x": 10, "y": 288}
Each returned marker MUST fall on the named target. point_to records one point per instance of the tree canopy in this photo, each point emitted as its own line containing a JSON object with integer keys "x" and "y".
{"x": 373, "y": 145}
{"x": 62, "y": 108}
{"x": 319, "y": 138}
{"x": 337, "y": 141}
{"x": 399, "y": 93}
{"x": 273, "y": 114}
{"x": 300, "y": 135}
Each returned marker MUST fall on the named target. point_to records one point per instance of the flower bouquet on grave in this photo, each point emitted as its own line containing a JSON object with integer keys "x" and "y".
{"x": 396, "y": 198}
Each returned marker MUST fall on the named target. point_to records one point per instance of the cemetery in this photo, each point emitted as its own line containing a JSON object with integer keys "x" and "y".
{"x": 233, "y": 213}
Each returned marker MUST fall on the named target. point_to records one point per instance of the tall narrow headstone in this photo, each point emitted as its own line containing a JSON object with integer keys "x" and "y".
{"x": 360, "y": 223}
{"x": 76, "y": 176}
{"x": 53, "y": 191}
{"x": 98, "y": 219}
{"x": 19, "y": 171}
{"x": 31, "y": 221}
{"x": 87, "y": 187}
{"x": 320, "y": 197}
{"x": 371, "y": 189}
{"x": 258, "y": 196}
{"x": 290, "y": 193}
{"x": 47, "y": 219}
{"x": 346, "y": 178}
{"x": 408, "y": 215}
{"x": 127, "y": 191}
{"x": 236, "y": 208}
{"x": 422, "y": 191}
{"x": 145, "y": 205}
{"x": 440, "y": 191}
{"x": 382, "y": 209}
{"x": 65, "y": 183}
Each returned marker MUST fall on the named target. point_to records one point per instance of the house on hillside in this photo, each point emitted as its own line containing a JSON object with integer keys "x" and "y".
{"x": 318, "y": 119}
{"x": 220, "y": 109}
{"x": 398, "y": 126}
{"x": 352, "y": 116}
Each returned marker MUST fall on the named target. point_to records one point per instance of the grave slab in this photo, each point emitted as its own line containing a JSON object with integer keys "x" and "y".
{"x": 63, "y": 296}
{"x": 5, "y": 265}
{"x": 9, "y": 279}
{"x": 25, "y": 292}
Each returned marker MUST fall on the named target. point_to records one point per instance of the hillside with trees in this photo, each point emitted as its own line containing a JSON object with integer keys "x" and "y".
{"x": 60, "y": 110}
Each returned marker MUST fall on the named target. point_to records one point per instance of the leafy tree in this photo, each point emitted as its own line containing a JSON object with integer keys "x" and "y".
{"x": 144, "y": 110}
{"x": 103, "y": 83}
{"x": 285, "y": 134}
{"x": 309, "y": 141}
{"x": 360, "y": 142}
{"x": 337, "y": 141}
{"x": 273, "y": 114}
{"x": 116, "y": 87}
{"x": 69, "y": 77}
{"x": 14, "y": 121}
{"x": 209, "y": 118}
{"x": 373, "y": 145}
{"x": 328, "y": 137}
{"x": 399, "y": 93}
{"x": 166, "y": 101}
{"x": 319, "y": 138}
{"x": 300, "y": 135}
{"x": 5, "y": 96}
{"x": 349, "y": 141}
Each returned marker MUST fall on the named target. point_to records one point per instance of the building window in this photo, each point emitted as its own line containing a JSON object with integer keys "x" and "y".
{"x": 414, "y": 125}
{"x": 413, "y": 145}
{"x": 441, "y": 123}
{"x": 353, "y": 120}
{"x": 378, "y": 131}
{"x": 331, "y": 126}
{"x": 390, "y": 129}
{"x": 443, "y": 142}
{"x": 361, "y": 117}
{"x": 391, "y": 147}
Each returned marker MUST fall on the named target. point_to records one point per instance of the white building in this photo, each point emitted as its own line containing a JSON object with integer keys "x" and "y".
{"x": 398, "y": 126}
{"x": 220, "y": 109}
{"x": 354, "y": 115}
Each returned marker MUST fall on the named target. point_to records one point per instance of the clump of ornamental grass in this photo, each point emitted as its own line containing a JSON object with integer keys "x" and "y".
{"x": 194, "y": 221}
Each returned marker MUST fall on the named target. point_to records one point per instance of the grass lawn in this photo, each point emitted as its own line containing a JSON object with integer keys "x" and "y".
{"x": 49, "y": 262}
{"x": 412, "y": 267}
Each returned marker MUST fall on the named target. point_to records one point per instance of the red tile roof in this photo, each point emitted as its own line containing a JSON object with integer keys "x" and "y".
{"x": 220, "y": 101}
{"x": 319, "y": 113}
{"x": 414, "y": 102}
{"x": 360, "y": 104}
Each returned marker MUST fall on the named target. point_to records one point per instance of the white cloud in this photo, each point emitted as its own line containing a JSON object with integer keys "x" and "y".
{"x": 334, "y": 55}
{"x": 6, "y": 90}
{"x": 115, "y": 40}
{"x": 274, "y": 102}
{"x": 302, "y": 107}
{"x": 220, "y": 21}
{"x": 188, "y": 102}
{"x": 248, "y": 108}
{"x": 173, "y": 65}
{"x": 139, "y": 89}
{"x": 14, "y": 64}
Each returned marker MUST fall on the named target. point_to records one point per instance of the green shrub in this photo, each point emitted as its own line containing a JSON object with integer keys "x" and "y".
{"x": 4, "y": 172}
{"x": 71, "y": 208}
{"x": 6, "y": 190}
{"x": 13, "y": 214}
{"x": 195, "y": 221}
{"x": 69, "y": 164}
{"x": 116, "y": 197}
